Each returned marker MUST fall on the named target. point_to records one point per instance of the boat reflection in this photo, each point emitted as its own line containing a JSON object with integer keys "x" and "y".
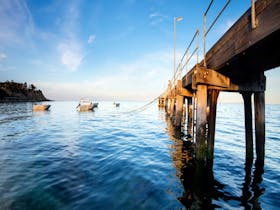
{"x": 201, "y": 189}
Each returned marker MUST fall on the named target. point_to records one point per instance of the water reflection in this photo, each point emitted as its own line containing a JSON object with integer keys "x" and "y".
{"x": 201, "y": 189}
{"x": 251, "y": 190}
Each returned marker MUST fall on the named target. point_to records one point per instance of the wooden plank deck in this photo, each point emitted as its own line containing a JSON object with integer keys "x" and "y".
{"x": 243, "y": 51}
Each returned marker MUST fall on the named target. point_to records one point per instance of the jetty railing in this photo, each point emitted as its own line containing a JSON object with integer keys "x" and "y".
{"x": 178, "y": 73}
{"x": 206, "y": 31}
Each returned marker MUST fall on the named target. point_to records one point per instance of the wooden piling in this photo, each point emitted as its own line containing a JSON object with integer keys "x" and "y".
{"x": 169, "y": 106}
{"x": 248, "y": 124}
{"x": 259, "y": 101}
{"x": 166, "y": 104}
{"x": 212, "y": 122}
{"x": 179, "y": 110}
{"x": 172, "y": 106}
{"x": 190, "y": 110}
{"x": 201, "y": 120}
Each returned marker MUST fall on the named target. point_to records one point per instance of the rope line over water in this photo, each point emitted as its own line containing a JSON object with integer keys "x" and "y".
{"x": 141, "y": 108}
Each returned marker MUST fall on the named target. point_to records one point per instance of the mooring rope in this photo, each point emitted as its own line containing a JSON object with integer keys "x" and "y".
{"x": 141, "y": 108}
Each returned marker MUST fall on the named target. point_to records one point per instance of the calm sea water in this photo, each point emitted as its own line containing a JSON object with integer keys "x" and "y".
{"x": 63, "y": 159}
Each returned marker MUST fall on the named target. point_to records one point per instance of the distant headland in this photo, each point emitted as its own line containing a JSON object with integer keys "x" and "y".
{"x": 11, "y": 91}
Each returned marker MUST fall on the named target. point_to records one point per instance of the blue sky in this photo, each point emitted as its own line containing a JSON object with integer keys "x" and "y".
{"x": 105, "y": 49}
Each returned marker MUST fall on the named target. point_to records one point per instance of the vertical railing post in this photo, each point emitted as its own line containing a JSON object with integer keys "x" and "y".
{"x": 253, "y": 15}
{"x": 197, "y": 46}
{"x": 204, "y": 41}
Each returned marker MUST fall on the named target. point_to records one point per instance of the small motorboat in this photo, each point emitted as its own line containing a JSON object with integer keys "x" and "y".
{"x": 41, "y": 107}
{"x": 117, "y": 104}
{"x": 85, "y": 105}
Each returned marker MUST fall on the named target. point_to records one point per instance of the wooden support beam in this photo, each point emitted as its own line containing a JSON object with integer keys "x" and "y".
{"x": 248, "y": 124}
{"x": 182, "y": 91}
{"x": 259, "y": 101}
{"x": 212, "y": 122}
{"x": 179, "y": 110}
{"x": 215, "y": 80}
{"x": 190, "y": 110}
{"x": 257, "y": 83}
{"x": 201, "y": 120}
{"x": 202, "y": 75}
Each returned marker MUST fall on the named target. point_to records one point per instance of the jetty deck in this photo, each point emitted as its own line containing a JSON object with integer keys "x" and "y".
{"x": 235, "y": 63}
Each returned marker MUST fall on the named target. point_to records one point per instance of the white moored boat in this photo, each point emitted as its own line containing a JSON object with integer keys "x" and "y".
{"x": 85, "y": 105}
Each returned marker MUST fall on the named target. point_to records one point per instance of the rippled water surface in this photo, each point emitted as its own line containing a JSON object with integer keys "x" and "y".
{"x": 63, "y": 159}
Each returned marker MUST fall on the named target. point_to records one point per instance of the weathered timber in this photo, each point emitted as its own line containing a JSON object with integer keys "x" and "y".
{"x": 242, "y": 52}
{"x": 169, "y": 106}
{"x": 179, "y": 110}
{"x": 172, "y": 106}
{"x": 179, "y": 90}
{"x": 242, "y": 46}
{"x": 215, "y": 80}
{"x": 166, "y": 104}
{"x": 212, "y": 122}
{"x": 259, "y": 101}
{"x": 201, "y": 121}
{"x": 248, "y": 124}
{"x": 236, "y": 63}
{"x": 206, "y": 76}
{"x": 161, "y": 102}
{"x": 190, "y": 110}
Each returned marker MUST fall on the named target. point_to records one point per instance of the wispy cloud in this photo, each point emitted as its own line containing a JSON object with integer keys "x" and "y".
{"x": 70, "y": 47}
{"x": 3, "y": 56}
{"x": 16, "y": 23}
{"x": 143, "y": 78}
{"x": 71, "y": 55}
{"x": 91, "y": 39}
{"x": 155, "y": 14}
{"x": 157, "y": 18}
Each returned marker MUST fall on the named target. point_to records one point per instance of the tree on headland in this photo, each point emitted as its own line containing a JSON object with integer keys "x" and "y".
{"x": 25, "y": 85}
{"x": 32, "y": 87}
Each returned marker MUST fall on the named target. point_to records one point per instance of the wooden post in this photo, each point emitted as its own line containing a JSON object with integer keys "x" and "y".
{"x": 194, "y": 105}
{"x": 201, "y": 120}
{"x": 260, "y": 124}
{"x": 179, "y": 110}
{"x": 169, "y": 106}
{"x": 190, "y": 110}
{"x": 172, "y": 104}
{"x": 248, "y": 124}
{"x": 166, "y": 104}
{"x": 212, "y": 122}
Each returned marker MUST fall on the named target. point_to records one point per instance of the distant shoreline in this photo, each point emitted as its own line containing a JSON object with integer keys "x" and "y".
{"x": 13, "y": 92}
{"x": 22, "y": 101}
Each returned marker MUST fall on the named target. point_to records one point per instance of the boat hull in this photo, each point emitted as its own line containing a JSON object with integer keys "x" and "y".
{"x": 40, "y": 107}
{"x": 86, "y": 108}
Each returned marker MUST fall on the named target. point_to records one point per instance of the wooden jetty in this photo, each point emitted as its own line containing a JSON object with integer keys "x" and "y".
{"x": 236, "y": 63}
